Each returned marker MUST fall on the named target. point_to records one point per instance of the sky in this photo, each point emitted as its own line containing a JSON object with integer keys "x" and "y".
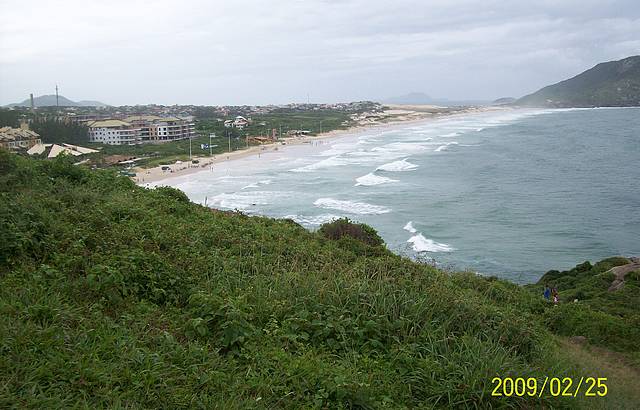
{"x": 280, "y": 51}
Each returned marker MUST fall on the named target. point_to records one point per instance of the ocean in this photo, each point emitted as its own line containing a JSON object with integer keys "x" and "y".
{"x": 507, "y": 193}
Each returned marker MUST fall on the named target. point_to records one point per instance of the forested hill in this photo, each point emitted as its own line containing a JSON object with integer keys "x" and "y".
{"x": 114, "y": 296}
{"x": 610, "y": 84}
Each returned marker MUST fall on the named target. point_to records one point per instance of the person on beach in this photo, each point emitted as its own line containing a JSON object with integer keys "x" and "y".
{"x": 547, "y": 292}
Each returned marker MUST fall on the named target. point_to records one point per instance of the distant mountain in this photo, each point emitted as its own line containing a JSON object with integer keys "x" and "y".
{"x": 504, "y": 101}
{"x": 91, "y": 103}
{"x": 610, "y": 84}
{"x": 50, "y": 101}
{"x": 418, "y": 98}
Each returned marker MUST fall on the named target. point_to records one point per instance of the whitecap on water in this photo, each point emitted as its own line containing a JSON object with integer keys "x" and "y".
{"x": 422, "y": 244}
{"x": 409, "y": 227}
{"x": 352, "y": 207}
{"x": 397, "y": 166}
{"x": 257, "y": 184}
{"x": 449, "y": 135}
{"x": 445, "y": 146}
{"x": 372, "y": 179}
{"x": 246, "y": 200}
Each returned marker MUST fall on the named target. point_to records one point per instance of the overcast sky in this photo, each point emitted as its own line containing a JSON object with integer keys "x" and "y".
{"x": 280, "y": 51}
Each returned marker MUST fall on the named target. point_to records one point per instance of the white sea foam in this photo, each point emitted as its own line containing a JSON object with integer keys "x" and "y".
{"x": 352, "y": 207}
{"x": 314, "y": 220}
{"x": 422, "y": 244}
{"x": 397, "y": 166}
{"x": 245, "y": 200}
{"x": 337, "y": 149}
{"x": 402, "y": 147}
{"x": 449, "y": 135}
{"x": 257, "y": 184}
{"x": 325, "y": 163}
{"x": 372, "y": 179}
{"x": 409, "y": 227}
{"x": 445, "y": 146}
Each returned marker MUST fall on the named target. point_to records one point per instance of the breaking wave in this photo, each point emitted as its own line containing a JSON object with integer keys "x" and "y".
{"x": 371, "y": 179}
{"x": 397, "y": 166}
{"x": 409, "y": 227}
{"x": 352, "y": 207}
{"x": 445, "y": 146}
{"x": 422, "y": 244}
{"x": 246, "y": 200}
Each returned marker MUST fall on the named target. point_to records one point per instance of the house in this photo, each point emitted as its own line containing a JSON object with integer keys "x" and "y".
{"x": 14, "y": 139}
{"x": 239, "y": 122}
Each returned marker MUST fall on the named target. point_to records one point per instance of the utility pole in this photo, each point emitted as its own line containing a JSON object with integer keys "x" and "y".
{"x": 57, "y": 104}
{"x": 210, "y": 135}
{"x": 189, "y": 150}
{"x": 228, "y": 135}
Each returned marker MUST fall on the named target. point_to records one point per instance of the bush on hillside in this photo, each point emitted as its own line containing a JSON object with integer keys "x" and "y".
{"x": 173, "y": 193}
{"x": 343, "y": 227}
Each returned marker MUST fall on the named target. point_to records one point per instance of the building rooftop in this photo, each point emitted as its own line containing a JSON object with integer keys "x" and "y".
{"x": 108, "y": 124}
{"x": 15, "y": 134}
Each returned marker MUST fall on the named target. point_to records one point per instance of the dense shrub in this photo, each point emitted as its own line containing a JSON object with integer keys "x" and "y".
{"x": 343, "y": 227}
{"x": 173, "y": 193}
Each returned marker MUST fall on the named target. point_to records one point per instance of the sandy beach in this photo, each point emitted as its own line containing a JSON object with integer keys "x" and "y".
{"x": 395, "y": 115}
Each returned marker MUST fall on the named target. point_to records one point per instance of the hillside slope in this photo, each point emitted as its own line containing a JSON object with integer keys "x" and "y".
{"x": 112, "y": 295}
{"x": 610, "y": 84}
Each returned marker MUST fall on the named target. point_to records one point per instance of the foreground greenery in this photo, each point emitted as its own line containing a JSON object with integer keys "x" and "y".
{"x": 112, "y": 295}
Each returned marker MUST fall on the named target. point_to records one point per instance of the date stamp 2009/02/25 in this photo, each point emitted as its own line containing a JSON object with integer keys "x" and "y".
{"x": 554, "y": 386}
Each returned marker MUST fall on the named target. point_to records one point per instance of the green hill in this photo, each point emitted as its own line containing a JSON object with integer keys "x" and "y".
{"x": 112, "y": 295}
{"x": 610, "y": 84}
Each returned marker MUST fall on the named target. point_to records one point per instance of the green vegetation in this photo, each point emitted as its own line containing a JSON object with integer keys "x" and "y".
{"x": 610, "y": 84}
{"x": 608, "y": 319}
{"x": 169, "y": 152}
{"x": 112, "y": 295}
{"x": 57, "y": 132}
{"x": 49, "y": 126}
{"x": 284, "y": 120}
{"x": 10, "y": 118}
{"x": 344, "y": 229}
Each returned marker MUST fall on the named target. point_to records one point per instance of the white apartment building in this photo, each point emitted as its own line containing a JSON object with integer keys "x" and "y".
{"x": 113, "y": 132}
{"x": 154, "y": 128}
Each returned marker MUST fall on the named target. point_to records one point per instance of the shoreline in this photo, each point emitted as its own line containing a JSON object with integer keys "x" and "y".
{"x": 404, "y": 115}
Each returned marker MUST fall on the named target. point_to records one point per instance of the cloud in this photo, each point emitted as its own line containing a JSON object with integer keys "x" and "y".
{"x": 252, "y": 51}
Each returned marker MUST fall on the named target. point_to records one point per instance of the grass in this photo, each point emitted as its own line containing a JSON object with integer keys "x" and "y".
{"x": 112, "y": 295}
